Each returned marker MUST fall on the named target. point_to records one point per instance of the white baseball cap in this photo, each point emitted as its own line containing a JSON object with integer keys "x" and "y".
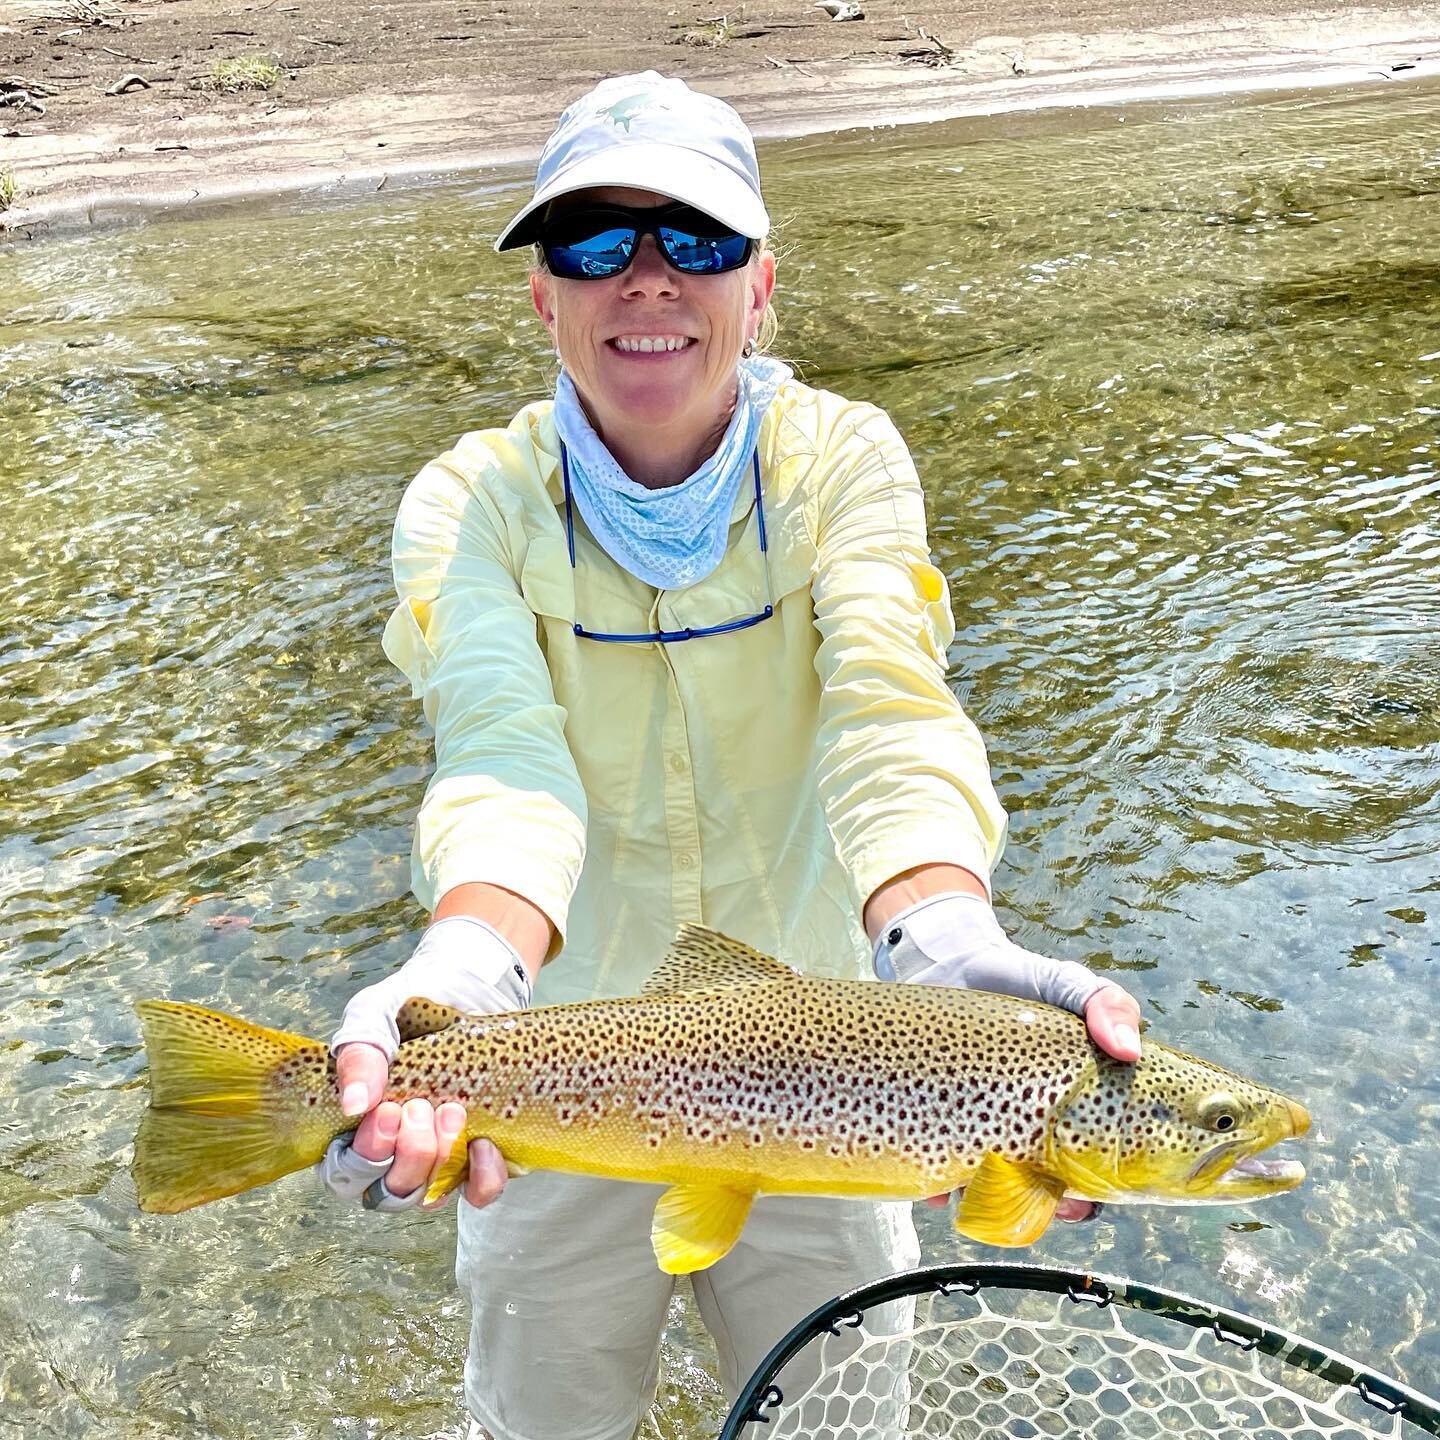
{"x": 653, "y": 133}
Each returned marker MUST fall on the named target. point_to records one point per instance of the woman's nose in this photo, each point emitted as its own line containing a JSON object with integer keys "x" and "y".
{"x": 649, "y": 273}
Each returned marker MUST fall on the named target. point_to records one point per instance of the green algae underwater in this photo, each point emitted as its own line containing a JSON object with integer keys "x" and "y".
{"x": 1170, "y": 376}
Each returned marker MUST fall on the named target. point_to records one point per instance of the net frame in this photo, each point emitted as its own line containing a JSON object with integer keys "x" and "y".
{"x": 761, "y": 1395}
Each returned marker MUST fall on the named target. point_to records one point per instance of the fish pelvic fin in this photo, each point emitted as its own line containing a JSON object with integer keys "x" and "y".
{"x": 1006, "y": 1203}
{"x": 695, "y": 1225}
{"x": 452, "y": 1174}
{"x": 702, "y": 959}
{"x": 223, "y": 1117}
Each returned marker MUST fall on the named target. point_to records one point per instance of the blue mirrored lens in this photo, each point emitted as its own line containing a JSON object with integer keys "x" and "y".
{"x": 703, "y": 254}
{"x": 590, "y": 245}
{"x": 605, "y": 253}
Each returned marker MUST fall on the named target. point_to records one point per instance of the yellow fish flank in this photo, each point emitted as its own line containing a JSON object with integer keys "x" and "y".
{"x": 729, "y": 1077}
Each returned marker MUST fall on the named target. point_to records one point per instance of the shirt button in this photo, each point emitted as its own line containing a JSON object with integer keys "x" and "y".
{"x": 685, "y": 860}
{"x": 679, "y": 764}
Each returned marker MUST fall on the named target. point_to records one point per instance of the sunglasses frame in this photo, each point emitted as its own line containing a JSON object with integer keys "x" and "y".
{"x": 672, "y": 637}
{"x": 648, "y": 220}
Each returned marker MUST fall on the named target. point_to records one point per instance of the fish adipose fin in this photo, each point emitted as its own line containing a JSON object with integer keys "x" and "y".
{"x": 1007, "y": 1204}
{"x": 419, "y": 1016}
{"x": 695, "y": 1225}
{"x": 702, "y": 959}
{"x": 218, "y": 1121}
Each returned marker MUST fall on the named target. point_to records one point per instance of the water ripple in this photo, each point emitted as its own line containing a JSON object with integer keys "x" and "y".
{"x": 1171, "y": 386}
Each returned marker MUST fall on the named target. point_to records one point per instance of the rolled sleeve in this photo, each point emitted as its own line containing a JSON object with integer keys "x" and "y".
{"x": 505, "y": 805}
{"x": 901, "y": 769}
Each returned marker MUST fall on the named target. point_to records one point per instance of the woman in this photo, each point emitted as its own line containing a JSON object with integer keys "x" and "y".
{"x": 683, "y": 650}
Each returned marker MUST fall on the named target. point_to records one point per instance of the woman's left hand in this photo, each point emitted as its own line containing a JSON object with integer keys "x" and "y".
{"x": 953, "y": 938}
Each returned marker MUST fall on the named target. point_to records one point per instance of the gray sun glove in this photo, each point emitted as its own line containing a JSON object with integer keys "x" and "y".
{"x": 954, "y": 939}
{"x": 461, "y": 962}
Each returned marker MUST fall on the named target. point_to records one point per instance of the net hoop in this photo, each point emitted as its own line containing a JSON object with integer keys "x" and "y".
{"x": 762, "y": 1395}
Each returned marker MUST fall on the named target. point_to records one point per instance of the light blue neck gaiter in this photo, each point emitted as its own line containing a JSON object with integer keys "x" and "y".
{"x": 673, "y": 537}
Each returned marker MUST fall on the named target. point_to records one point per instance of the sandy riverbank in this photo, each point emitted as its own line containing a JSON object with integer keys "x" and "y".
{"x": 375, "y": 95}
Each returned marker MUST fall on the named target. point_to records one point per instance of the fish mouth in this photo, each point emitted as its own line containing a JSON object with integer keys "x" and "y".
{"x": 1286, "y": 1174}
{"x": 1225, "y": 1175}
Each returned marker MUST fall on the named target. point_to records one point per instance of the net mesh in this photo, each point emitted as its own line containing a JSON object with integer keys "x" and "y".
{"x": 1018, "y": 1365}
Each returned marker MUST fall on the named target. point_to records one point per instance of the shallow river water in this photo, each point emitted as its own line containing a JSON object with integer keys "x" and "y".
{"x": 1170, "y": 376}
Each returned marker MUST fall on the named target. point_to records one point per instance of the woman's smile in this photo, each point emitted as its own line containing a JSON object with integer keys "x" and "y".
{"x": 630, "y": 345}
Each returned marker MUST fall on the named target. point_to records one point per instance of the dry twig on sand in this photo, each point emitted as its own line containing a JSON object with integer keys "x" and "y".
{"x": 25, "y": 94}
{"x": 94, "y": 12}
{"x": 935, "y": 51}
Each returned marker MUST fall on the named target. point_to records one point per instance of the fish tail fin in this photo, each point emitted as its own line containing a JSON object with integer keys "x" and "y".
{"x": 232, "y": 1106}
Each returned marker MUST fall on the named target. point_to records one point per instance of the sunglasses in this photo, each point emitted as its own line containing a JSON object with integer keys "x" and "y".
{"x": 598, "y": 241}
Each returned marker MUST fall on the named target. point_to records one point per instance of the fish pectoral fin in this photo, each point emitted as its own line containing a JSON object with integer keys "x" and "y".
{"x": 1007, "y": 1204}
{"x": 702, "y": 959}
{"x": 419, "y": 1016}
{"x": 695, "y": 1225}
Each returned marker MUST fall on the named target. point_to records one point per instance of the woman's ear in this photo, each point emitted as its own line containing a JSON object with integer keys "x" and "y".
{"x": 762, "y": 285}
{"x": 540, "y": 297}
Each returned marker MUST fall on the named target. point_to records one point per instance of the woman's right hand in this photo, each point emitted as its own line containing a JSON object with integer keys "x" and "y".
{"x": 403, "y": 1145}
{"x": 390, "y": 1160}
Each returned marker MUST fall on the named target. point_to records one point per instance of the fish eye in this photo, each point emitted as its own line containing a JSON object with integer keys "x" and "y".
{"x": 1219, "y": 1112}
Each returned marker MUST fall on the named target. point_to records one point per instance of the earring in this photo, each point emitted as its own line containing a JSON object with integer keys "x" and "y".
{"x": 749, "y": 349}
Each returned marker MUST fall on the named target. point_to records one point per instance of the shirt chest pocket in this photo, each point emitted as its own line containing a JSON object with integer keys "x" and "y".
{"x": 547, "y": 581}
{"x": 792, "y": 561}
{"x": 748, "y": 579}
{"x": 547, "y": 585}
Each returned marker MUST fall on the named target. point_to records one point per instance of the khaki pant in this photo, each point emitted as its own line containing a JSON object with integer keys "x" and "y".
{"x": 568, "y": 1304}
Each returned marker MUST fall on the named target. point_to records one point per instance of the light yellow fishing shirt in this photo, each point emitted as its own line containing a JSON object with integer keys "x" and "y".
{"x": 763, "y": 782}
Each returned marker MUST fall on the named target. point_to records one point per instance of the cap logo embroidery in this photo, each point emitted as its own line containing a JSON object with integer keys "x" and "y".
{"x": 622, "y": 112}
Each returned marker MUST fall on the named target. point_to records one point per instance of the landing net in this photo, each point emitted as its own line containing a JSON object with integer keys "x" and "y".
{"x": 1011, "y": 1352}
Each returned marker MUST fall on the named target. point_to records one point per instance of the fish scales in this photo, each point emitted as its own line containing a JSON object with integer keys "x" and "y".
{"x": 819, "y": 1086}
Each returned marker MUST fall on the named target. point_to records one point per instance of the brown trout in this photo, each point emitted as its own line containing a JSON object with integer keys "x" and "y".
{"x": 730, "y": 1076}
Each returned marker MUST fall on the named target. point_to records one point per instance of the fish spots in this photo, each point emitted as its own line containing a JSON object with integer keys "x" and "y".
{"x": 805, "y": 1078}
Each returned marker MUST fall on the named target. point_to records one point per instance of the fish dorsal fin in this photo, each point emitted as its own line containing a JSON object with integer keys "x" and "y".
{"x": 702, "y": 959}
{"x": 695, "y": 1225}
{"x": 419, "y": 1016}
{"x": 1007, "y": 1204}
